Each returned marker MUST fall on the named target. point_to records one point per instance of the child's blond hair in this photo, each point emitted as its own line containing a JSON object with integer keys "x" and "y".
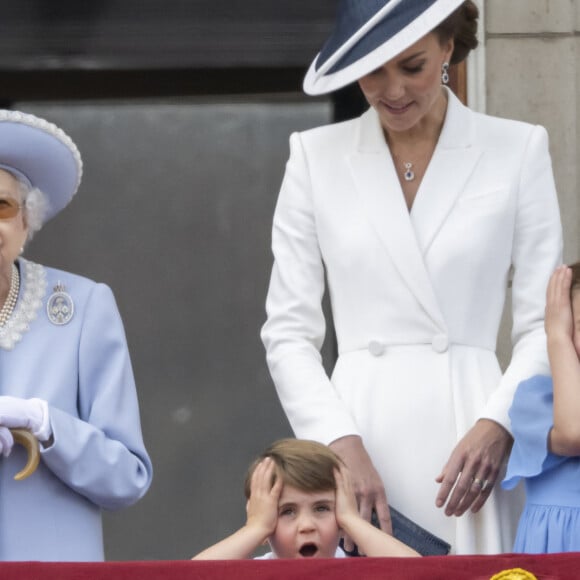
{"x": 306, "y": 465}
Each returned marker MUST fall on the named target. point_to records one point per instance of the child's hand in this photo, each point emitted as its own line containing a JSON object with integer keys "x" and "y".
{"x": 345, "y": 503}
{"x": 262, "y": 507}
{"x": 558, "y": 317}
{"x": 262, "y": 517}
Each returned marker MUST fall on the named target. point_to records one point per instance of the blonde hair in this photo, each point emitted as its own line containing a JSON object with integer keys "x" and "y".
{"x": 306, "y": 465}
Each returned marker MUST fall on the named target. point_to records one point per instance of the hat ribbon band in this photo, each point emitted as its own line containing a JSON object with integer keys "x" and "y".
{"x": 369, "y": 25}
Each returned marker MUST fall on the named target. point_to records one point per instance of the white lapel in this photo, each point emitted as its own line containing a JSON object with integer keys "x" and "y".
{"x": 451, "y": 166}
{"x": 382, "y": 198}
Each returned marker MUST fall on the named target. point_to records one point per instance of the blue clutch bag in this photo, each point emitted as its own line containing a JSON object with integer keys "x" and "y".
{"x": 412, "y": 534}
{"x": 418, "y": 538}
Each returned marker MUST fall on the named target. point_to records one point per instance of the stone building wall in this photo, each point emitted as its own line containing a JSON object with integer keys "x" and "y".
{"x": 531, "y": 55}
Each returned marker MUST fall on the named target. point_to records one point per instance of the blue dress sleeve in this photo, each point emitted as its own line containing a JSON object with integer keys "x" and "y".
{"x": 531, "y": 416}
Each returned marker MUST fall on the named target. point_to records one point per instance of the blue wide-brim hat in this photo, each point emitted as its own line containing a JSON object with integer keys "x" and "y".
{"x": 43, "y": 155}
{"x": 369, "y": 33}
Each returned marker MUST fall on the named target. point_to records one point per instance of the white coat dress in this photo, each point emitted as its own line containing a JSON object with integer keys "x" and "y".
{"x": 417, "y": 298}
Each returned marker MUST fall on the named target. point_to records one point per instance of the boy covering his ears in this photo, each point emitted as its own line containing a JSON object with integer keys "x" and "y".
{"x": 300, "y": 500}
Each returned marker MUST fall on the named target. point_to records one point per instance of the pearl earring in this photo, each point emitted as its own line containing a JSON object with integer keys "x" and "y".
{"x": 445, "y": 73}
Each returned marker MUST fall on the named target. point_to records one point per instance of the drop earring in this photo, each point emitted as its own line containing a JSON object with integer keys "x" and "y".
{"x": 445, "y": 73}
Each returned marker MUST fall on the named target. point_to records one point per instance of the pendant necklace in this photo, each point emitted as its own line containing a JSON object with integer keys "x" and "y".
{"x": 409, "y": 174}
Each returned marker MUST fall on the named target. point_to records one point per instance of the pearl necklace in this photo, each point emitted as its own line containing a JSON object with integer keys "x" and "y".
{"x": 10, "y": 303}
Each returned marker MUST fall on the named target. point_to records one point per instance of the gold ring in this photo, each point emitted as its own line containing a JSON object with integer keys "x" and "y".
{"x": 477, "y": 481}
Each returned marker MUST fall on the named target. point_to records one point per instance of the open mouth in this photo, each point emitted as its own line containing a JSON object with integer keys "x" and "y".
{"x": 308, "y": 550}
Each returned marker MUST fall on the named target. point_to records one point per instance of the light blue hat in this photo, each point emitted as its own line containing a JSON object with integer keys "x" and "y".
{"x": 369, "y": 33}
{"x": 43, "y": 155}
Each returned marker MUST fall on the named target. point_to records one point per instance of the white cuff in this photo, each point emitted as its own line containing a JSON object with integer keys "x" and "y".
{"x": 41, "y": 427}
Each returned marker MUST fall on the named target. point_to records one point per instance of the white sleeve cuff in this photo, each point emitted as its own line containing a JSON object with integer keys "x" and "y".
{"x": 41, "y": 427}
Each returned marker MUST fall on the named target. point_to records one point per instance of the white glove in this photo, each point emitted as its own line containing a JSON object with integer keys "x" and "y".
{"x": 29, "y": 414}
{"x": 6, "y": 441}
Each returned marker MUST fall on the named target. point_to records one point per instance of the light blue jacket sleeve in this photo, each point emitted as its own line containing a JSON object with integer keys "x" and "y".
{"x": 100, "y": 454}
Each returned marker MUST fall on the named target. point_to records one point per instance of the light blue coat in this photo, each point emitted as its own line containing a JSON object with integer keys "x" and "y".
{"x": 98, "y": 459}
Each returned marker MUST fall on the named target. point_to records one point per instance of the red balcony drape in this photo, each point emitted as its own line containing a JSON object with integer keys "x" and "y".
{"x": 545, "y": 567}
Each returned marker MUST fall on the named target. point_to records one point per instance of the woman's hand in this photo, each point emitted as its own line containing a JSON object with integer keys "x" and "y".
{"x": 262, "y": 507}
{"x": 473, "y": 468}
{"x": 366, "y": 482}
{"x": 31, "y": 414}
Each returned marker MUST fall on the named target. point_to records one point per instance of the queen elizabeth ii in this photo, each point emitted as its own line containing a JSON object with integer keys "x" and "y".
{"x": 65, "y": 370}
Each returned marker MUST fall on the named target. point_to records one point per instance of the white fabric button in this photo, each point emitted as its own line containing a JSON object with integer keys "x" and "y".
{"x": 376, "y": 348}
{"x": 440, "y": 343}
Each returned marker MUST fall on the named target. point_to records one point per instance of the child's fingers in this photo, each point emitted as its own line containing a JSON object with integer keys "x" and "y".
{"x": 554, "y": 291}
{"x": 564, "y": 281}
{"x": 262, "y": 479}
{"x": 567, "y": 282}
{"x": 558, "y": 313}
{"x": 262, "y": 475}
{"x": 558, "y": 291}
{"x": 551, "y": 289}
{"x": 344, "y": 478}
{"x": 345, "y": 496}
{"x": 278, "y": 484}
{"x": 262, "y": 506}
{"x": 341, "y": 478}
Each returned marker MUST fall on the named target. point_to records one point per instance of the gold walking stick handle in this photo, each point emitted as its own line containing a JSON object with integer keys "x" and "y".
{"x": 25, "y": 438}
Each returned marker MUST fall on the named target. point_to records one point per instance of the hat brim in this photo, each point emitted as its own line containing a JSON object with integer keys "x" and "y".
{"x": 331, "y": 75}
{"x": 43, "y": 154}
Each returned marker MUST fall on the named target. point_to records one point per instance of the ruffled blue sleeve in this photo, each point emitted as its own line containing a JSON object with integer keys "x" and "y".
{"x": 532, "y": 417}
